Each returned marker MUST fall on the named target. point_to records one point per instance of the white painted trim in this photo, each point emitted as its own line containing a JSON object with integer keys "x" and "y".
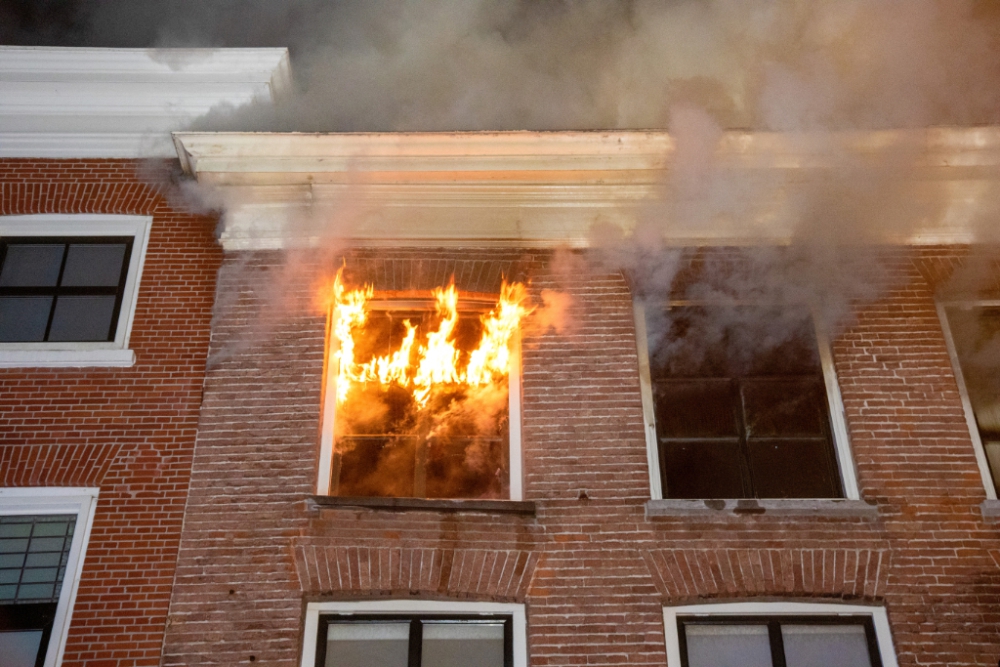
{"x": 880, "y": 619}
{"x": 970, "y": 414}
{"x": 58, "y": 500}
{"x": 55, "y": 355}
{"x": 515, "y": 611}
{"x": 838, "y": 422}
{"x": 329, "y": 406}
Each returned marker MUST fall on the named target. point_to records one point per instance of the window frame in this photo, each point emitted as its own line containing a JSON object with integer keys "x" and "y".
{"x": 395, "y": 609}
{"x": 58, "y": 500}
{"x": 329, "y": 401}
{"x": 739, "y": 611}
{"x": 835, "y": 404}
{"x": 71, "y": 354}
{"x": 970, "y": 414}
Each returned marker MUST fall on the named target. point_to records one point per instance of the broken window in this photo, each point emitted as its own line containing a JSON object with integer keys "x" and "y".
{"x": 740, "y": 403}
{"x": 975, "y": 332}
{"x": 422, "y": 395}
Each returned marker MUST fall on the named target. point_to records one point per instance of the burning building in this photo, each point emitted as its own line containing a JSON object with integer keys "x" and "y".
{"x": 512, "y": 398}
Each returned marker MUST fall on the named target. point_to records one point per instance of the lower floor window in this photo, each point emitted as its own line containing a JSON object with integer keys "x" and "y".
{"x": 412, "y": 641}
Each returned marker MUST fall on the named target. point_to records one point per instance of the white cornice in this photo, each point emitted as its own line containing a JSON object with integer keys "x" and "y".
{"x": 550, "y": 188}
{"x": 123, "y": 103}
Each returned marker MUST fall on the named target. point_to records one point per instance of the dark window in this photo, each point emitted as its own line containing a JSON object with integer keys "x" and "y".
{"x": 976, "y": 332}
{"x": 411, "y": 641}
{"x": 740, "y": 405}
{"x": 778, "y": 641}
{"x": 33, "y": 555}
{"x": 62, "y": 289}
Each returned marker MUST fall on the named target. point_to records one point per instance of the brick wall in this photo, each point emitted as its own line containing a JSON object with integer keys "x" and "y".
{"x": 129, "y": 431}
{"x": 591, "y": 569}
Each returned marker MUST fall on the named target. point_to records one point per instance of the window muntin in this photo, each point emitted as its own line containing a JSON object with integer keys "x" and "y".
{"x": 778, "y": 641}
{"x": 415, "y": 641}
{"x": 740, "y": 405}
{"x": 62, "y": 289}
{"x": 974, "y": 332}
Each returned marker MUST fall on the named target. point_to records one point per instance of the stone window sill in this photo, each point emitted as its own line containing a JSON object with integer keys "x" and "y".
{"x": 820, "y": 507}
{"x": 990, "y": 509}
{"x": 424, "y": 504}
{"x": 79, "y": 358}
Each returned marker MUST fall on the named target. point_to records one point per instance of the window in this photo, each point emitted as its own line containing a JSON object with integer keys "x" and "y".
{"x": 400, "y": 422}
{"x": 739, "y": 402}
{"x": 43, "y": 534}
{"x": 750, "y": 634}
{"x": 973, "y": 332}
{"x": 67, "y": 288}
{"x": 414, "y": 633}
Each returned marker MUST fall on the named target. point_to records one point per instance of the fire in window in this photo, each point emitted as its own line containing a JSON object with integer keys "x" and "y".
{"x": 422, "y": 393}
{"x": 740, "y": 404}
{"x": 976, "y": 334}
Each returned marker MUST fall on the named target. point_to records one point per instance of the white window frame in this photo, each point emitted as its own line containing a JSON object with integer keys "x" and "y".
{"x": 970, "y": 414}
{"x": 72, "y": 354}
{"x": 415, "y": 607}
{"x": 82, "y": 502}
{"x": 329, "y": 404}
{"x": 880, "y": 620}
{"x": 835, "y": 403}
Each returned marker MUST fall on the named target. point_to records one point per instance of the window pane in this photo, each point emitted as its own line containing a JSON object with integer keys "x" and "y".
{"x": 364, "y": 644}
{"x": 23, "y": 318}
{"x": 825, "y": 646}
{"x": 784, "y": 408}
{"x": 30, "y": 555}
{"x": 993, "y": 456}
{"x": 30, "y": 265}
{"x": 94, "y": 265}
{"x": 82, "y": 318}
{"x": 695, "y": 409}
{"x": 462, "y": 644}
{"x": 728, "y": 645}
{"x": 375, "y": 466}
{"x": 792, "y": 469}
{"x": 20, "y": 648}
{"x": 702, "y": 469}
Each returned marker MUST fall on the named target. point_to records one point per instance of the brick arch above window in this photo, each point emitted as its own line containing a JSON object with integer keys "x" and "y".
{"x": 690, "y": 574}
{"x": 484, "y": 574}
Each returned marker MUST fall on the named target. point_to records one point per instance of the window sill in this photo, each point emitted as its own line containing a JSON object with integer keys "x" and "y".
{"x": 990, "y": 509}
{"x": 823, "y": 507}
{"x": 424, "y": 504}
{"x": 66, "y": 358}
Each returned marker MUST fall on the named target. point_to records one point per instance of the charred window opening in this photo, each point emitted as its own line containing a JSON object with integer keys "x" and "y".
{"x": 423, "y": 395}
{"x": 976, "y": 334}
{"x": 741, "y": 407}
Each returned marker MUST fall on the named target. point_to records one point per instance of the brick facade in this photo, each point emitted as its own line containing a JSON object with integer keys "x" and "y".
{"x": 128, "y": 431}
{"x": 592, "y": 570}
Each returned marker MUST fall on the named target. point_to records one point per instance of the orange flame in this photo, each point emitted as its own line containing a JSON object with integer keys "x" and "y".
{"x": 437, "y": 358}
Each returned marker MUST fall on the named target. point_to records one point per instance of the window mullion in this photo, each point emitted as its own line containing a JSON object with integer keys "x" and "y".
{"x": 55, "y": 296}
{"x": 416, "y": 642}
{"x": 777, "y": 644}
{"x": 749, "y": 488}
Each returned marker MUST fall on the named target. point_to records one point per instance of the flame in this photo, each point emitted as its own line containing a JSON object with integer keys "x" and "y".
{"x": 420, "y": 366}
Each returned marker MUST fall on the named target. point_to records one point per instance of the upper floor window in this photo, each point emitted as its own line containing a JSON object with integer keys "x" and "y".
{"x": 67, "y": 288}
{"x": 422, "y": 395}
{"x": 740, "y": 400}
{"x": 974, "y": 335}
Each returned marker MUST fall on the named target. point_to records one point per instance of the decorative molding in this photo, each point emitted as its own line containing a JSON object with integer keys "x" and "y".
{"x": 123, "y": 103}
{"x": 549, "y": 188}
{"x": 488, "y": 574}
{"x": 692, "y": 574}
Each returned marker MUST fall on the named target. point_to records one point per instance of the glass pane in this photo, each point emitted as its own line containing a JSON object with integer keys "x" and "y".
{"x": 375, "y": 466}
{"x": 82, "y": 318}
{"x": 825, "y": 646}
{"x": 20, "y": 648}
{"x": 993, "y": 456}
{"x": 36, "y": 561}
{"x": 364, "y": 644}
{"x": 23, "y": 318}
{"x": 728, "y": 645}
{"x": 793, "y": 469}
{"x": 780, "y": 408}
{"x": 94, "y": 265}
{"x": 695, "y": 409}
{"x": 702, "y": 469}
{"x": 462, "y": 644}
{"x": 30, "y": 265}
